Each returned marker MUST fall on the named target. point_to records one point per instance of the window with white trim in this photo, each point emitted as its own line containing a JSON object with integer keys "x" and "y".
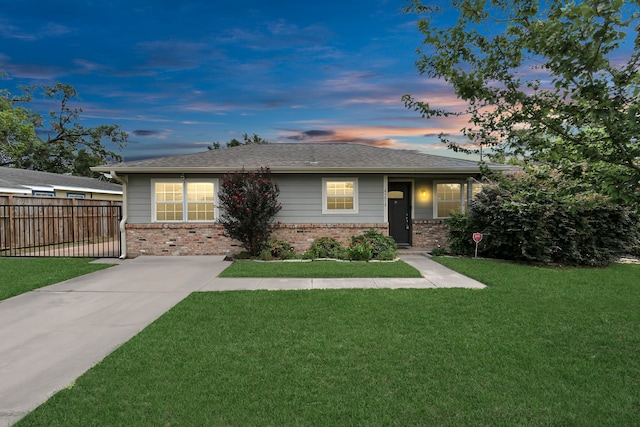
{"x": 339, "y": 195}
{"x": 450, "y": 199}
{"x": 180, "y": 201}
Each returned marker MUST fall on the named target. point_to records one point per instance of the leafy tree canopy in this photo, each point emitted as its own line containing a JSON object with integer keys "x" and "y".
{"x": 246, "y": 140}
{"x": 68, "y": 147}
{"x": 554, "y": 82}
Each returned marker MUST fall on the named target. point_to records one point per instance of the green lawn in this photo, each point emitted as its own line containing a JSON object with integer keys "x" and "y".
{"x": 537, "y": 347}
{"x": 320, "y": 269}
{"x": 20, "y": 275}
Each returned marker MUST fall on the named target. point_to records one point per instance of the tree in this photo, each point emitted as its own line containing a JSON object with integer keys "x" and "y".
{"x": 246, "y": 140}
{"x": 549, "y": 81}
{"x": 249, "y": 202}
{"x": 68, "y": 147}
{"x": 17, "y": 134}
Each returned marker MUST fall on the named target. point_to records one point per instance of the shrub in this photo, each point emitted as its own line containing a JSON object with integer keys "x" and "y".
{"x": 538, "y": 217}
{"x": 326, "y": 247}
{"x": 359, "y": 251}
{"x": 278, "y": 249}
{"x": 438, "y": 251}
{"x": 249, "y": 202}
{"x": 377, "y": 243}
{"x": 460, "y": 241}
{"x": 370, "y": 245}
{"x": 388, "y": 255}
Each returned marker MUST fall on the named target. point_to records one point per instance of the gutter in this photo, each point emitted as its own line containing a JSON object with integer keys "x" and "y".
{"x": 125, "y": 214}
{"x": 308, "y": 170}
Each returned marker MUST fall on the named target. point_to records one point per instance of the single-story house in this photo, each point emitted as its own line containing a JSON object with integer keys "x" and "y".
{"x": 336, "y": 190}
{"x": 23, "y": 182}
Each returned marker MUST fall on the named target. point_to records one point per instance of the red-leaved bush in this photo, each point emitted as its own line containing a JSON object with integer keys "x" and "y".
{"x": 249, "y": 202}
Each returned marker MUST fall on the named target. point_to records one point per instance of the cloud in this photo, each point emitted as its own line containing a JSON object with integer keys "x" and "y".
{"x": 163, "y": 134}
{"x": 88, "y": 67}
{"x": 379, "y": 136}
{"x": 337, "y": 136}
{"x": 11, "y": 31}
{"x": 144, "y": 132}
{"x": 278, "y": 35}
{"x": 31, "y": 71}
{"x": 173, "y": 55}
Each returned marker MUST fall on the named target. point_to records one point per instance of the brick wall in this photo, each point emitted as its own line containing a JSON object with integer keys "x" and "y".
{"x": 209, "y": 239}
{"x": 300, "y": 236}
{"x": 429, "y": 233}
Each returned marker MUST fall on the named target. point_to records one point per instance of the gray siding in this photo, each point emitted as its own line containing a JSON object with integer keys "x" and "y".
{"x": 300, "y": 195}
{"x": 423, "y": 205}
{"x": 301, "y": 198}
{"x": 139, "y": 199}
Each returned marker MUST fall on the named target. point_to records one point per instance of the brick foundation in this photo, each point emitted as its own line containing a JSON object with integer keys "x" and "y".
{"x": 209, "y": 239}
{"x": 300, "y": 236}
{"x": 429, "y": 233}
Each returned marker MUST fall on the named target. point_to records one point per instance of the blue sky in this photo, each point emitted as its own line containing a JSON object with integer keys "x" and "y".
{"x": 179, "y": 75}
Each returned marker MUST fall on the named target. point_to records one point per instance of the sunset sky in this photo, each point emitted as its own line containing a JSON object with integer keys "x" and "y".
{"x": 179, "y": 75}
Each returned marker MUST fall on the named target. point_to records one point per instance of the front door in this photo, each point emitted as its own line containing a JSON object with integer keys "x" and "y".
{"x": 399, "y": 202}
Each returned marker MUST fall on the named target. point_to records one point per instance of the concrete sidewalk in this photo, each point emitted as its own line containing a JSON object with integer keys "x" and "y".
{"x": 51, "y": 336}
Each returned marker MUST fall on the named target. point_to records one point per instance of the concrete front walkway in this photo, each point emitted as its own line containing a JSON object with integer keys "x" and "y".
{"x": 435, "y": 276}
{"x": 51, "y": 336}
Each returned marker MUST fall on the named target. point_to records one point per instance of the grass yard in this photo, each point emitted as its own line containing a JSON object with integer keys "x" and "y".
{"x": 320, "y": 269}
{"x": 20, "y": 275}
{"x": 537, "y": 347}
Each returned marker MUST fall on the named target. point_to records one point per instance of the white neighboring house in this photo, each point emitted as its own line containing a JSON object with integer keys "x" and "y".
{"x": 44, "y": 184}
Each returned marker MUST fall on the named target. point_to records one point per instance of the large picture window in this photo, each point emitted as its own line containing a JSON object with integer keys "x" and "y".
{"x": 339, "y": 195}
{"x": 179, "y": 201}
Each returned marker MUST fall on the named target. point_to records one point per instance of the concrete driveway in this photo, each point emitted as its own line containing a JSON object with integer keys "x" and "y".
{"x": 51, "y": 336}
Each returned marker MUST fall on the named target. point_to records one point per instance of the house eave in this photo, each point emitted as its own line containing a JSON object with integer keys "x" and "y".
{"x": 297, "y": 170}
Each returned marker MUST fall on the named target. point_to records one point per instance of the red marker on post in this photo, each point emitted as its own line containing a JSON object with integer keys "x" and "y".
{"x": 477, "y": 237}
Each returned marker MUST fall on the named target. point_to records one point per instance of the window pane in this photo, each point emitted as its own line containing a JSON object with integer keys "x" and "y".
{"x": 449, "y": 198}
{"x": 168, "y": 201}
{"x": 340, "y": 188}
{"x": 200, "y": 191}
{"x": 447, "y": 208}
{"x": 339, "y": 202}
{"x": 475, "y": 189}
{"x": 200, "y": 205}
{"x": 200, "y": 212}
{"x": 448, "y": 191}
{"x": 169, "y": 212}
{"x": 396, "y": 195}
{"x": 167, "y": 191}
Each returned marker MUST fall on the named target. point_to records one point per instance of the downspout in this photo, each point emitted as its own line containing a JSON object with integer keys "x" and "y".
{"x": 125, "y": 212}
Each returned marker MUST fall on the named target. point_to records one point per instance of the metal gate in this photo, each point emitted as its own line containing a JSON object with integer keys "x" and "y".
{"x": 60, "y": 231}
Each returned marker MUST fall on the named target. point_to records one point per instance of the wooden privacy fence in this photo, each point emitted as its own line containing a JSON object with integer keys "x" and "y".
{"x": 50, "y": 227}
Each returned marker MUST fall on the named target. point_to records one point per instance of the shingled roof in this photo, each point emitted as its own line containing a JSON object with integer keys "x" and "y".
{"x": 301, "y": 158}
{"x": 22, "y": 180}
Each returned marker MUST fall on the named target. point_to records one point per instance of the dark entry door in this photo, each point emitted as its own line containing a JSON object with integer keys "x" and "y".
{"x": 399, "y": 202}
